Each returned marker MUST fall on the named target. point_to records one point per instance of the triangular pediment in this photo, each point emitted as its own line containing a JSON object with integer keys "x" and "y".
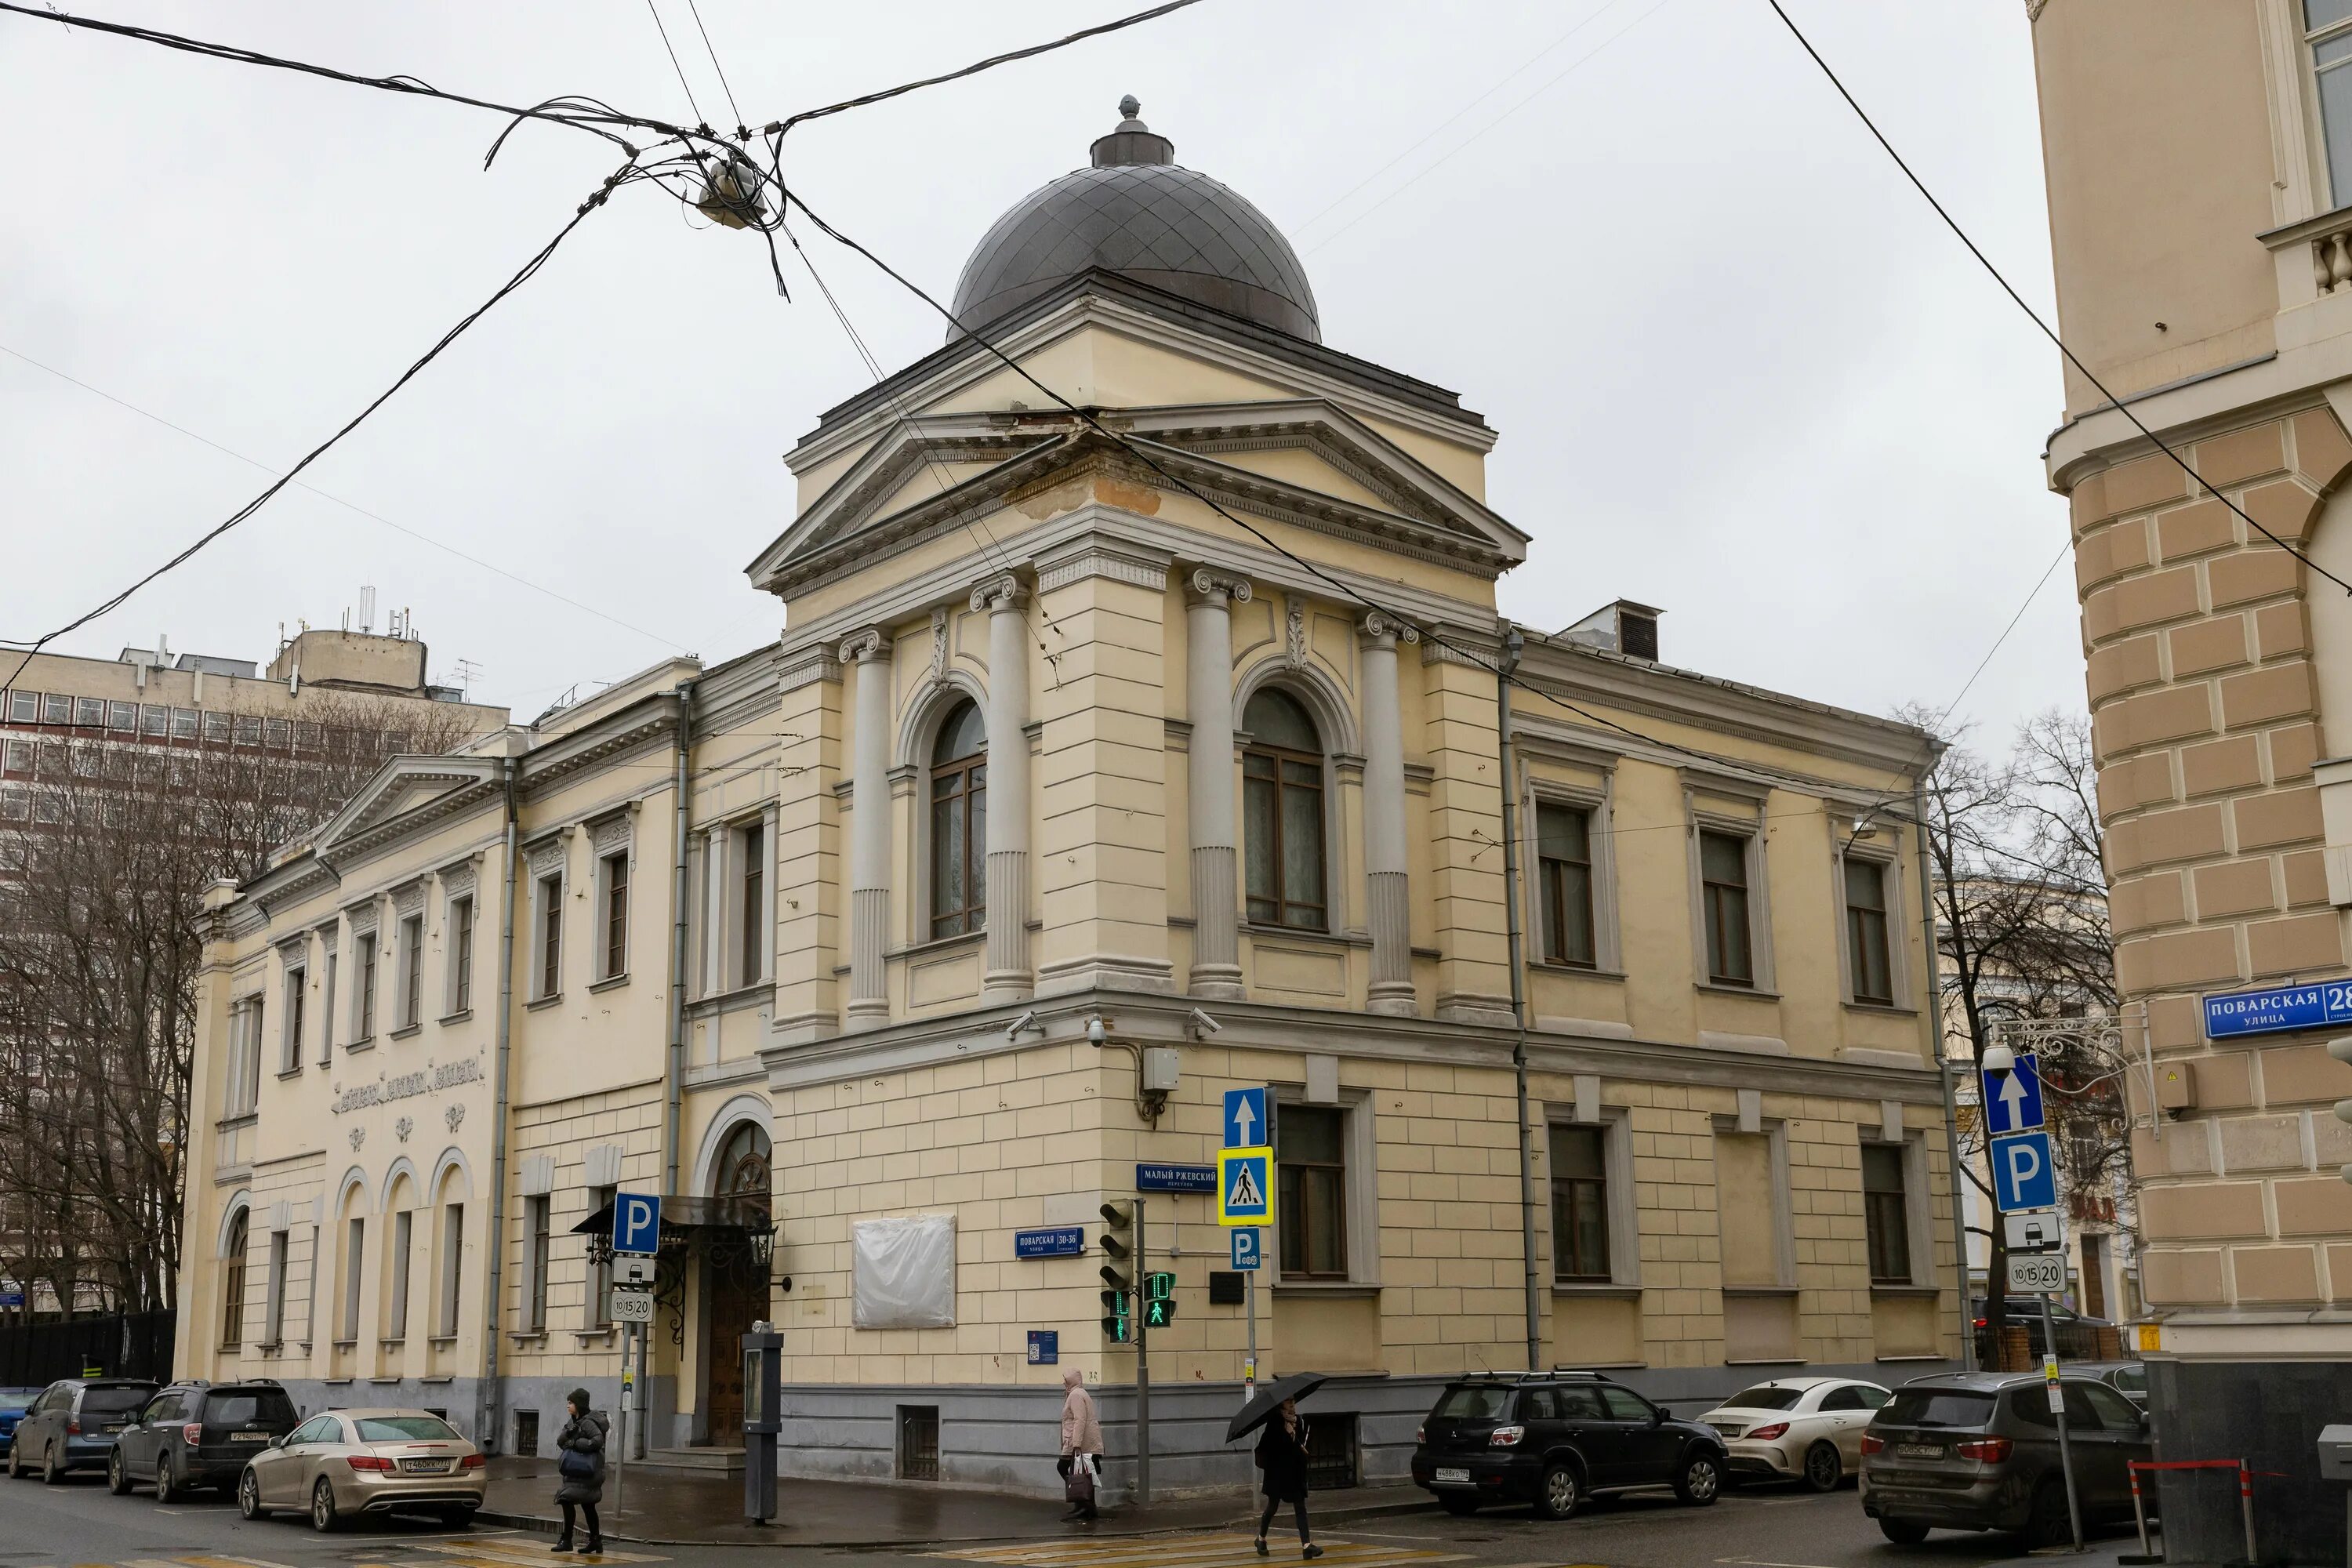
{"x": 405, "y": 791}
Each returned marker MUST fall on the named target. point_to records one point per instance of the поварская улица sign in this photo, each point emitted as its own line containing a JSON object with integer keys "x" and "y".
{"x": 2280, "y": 1007}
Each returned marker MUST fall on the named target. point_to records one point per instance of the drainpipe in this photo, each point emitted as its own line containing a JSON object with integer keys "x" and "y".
{"x": 491, "y": 1404}
{"x": 674, "y": 1071}
{"x": 1513, "y": 642}
{"x": 1934, "y": 1017}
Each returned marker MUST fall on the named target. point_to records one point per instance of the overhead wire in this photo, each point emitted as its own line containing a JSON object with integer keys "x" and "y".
{"x": 729, "y": 88}
{"x": 666, "y": 46}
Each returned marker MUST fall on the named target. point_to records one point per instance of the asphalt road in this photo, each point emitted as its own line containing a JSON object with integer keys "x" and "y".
{"x": 77, "y": 1525}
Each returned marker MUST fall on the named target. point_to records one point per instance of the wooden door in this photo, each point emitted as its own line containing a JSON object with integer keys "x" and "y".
{"x": 737, "y": 1300}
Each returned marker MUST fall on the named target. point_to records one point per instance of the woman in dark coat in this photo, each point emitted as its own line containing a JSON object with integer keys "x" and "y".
{"x": 582, "y": 1468}
{"x": 1282, "y": 1455}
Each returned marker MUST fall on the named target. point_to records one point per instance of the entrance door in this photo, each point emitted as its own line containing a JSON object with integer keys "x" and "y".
{"x": 737, "y": 1288}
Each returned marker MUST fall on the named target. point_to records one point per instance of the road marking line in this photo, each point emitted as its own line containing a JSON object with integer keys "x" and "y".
{"x": 1227, "y": 1552}
{"x": 1761, "y": 1563}
{"x": 496, "y": 1552}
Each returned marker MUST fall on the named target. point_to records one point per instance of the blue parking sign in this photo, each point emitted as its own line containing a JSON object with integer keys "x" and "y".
{"x": 2022, "y": 1175}
{"x": 1246, "y": 1252}
{"x": 636, "y": 1223}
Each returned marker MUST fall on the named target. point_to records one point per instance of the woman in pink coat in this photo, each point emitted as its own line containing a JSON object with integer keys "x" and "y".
{"x": 1081, "y": 1435}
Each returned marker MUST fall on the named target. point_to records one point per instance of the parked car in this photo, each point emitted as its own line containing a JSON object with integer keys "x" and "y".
{"x": 2128, "y": 1378}
{"x": 2078, "y": 1336}
{"x": 12, "y": 1402}
{"x": 72, "y": 1425}
{"x": 1554, "y": 1439}
{"x": 198, "y": 1434}
{"x": 1979, "y": 1451}
{"x": 1798, "y": 1428}
{"x": 349, "y": 1462}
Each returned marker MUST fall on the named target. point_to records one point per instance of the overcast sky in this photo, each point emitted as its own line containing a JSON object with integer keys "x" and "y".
{"x": 1739, "y": 369}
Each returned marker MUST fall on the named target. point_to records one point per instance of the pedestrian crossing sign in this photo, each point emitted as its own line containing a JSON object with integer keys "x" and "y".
{"x": 1244, "y": 1186}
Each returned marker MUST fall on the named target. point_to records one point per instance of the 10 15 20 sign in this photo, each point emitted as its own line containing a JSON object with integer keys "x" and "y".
{"x": 2278, "y": 1009}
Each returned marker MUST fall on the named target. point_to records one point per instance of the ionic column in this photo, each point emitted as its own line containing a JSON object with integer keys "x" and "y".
{"x": 1386, "y": 896}
{"x": 1208, "y": 635}
{"x": 1008, "y": 976}
{"x": 869, "y": 832}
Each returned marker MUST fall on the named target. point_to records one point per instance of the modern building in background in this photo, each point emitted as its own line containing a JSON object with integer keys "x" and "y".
{"x": 2199, "y": 168}
{"x": 1188, "y": 741}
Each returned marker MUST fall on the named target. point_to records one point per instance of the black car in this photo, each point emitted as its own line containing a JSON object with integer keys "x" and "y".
{"x": 73, "y": 1425}
{"x": 198, "y": 1434}
{"x": 1554, "y": 1439}
{"x": 2078, "y": 1336}
{"x": 1979, "y": 1451}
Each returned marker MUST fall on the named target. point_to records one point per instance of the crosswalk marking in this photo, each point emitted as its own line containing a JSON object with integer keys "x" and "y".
{"x": 513, "y": 1552}
{"x": 1200, "y": 1552}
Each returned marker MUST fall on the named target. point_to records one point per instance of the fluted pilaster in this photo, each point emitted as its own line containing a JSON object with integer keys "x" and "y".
{"x": 1216, "y": 934}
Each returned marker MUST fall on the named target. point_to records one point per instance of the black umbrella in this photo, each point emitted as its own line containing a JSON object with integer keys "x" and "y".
{"x": 1268, "y": 1400}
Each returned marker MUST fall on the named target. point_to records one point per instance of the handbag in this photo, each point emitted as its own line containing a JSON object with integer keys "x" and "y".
{"x": 1080, "y": 1486}
{"x": 575, "y": 1466}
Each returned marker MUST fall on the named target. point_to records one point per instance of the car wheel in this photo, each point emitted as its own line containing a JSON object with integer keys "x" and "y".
{"x": 1560, "y": 1491}
{"x": 118, "y": 1479}
{"x": 1824, "y": 1469}
{"x": 248, "y": 1496}
{"x": 2047, "y": 1524}
{"x": 1903, "y": 1531}
{"x": 15, "y": 1470}
{"x": 168, "y": 1488}
{"x": 51, "y": 1471}
{"x": 1699, "y": 1480}
{"x": 323, "y": 1516}
{"x": 1459, "y": 1505}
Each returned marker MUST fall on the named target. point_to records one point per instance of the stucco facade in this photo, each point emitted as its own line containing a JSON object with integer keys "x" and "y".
{"x": 1218, "y": 785}
{"x": 2200, "y": 235}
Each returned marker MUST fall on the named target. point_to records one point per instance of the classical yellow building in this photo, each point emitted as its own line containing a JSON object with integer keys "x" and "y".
{"x": 1179, "y": 716}
{"x": 2199, "y": 164}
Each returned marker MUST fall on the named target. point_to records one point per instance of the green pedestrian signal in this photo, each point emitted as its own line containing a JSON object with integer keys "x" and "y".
{"x": 1159, "y": 1314}
{"x": 1158, "y": 1287}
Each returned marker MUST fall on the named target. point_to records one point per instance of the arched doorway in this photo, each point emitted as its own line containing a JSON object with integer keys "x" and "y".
{"x": 735, "y": 1274}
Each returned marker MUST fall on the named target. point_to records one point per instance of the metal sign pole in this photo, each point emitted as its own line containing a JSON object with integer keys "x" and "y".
{"x": 2058, "y": 1409}
{"x": 1249, "y": 1363}
{"x": 621, "y": 1454}
{"x": 1143, "y": 1363}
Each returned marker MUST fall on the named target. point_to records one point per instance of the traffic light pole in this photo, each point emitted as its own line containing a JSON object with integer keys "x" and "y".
{"x": 1142, "y": 1364}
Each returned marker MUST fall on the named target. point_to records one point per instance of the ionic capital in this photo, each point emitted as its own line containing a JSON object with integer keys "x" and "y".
{"x": 867, "y": 646}
{"x": 1386, "y": 630}
{"x": 1217, "y": 587}
{"x": 1002, "y": 591}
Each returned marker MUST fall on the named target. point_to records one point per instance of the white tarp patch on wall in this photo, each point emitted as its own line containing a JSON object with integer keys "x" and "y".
{"x": 902, "y": 1272}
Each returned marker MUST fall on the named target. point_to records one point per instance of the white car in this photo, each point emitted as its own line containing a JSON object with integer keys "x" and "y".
{"x": 1804, "y": 1429}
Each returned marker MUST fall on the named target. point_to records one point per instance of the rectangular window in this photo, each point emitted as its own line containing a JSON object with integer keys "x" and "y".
{"x": 154, "y": 723}
{"x": 184, "y": 724}
{"x": 1564, "y": 883}
{"x": 551, "y": 934}
{"x": 23, "y": 706}
{"x": 363, "y": 1013}
{"x": 89, "y": 713}
{"x": 274, "y": 1313}
{"x": 1865, "y": 931}
{"x": 753, "y": 959}
{"x": 1885, "y": 1207}
{"x": 2328, "y": 27}
{"x": 534, "y": 1277}
{"x": 616, "y": 914}
{"x": 56, "y": 707}
{"x": 1723, "y": 895}
{"x": 453, "y": 1266}
{"x": 327, "y": 1015}
{"x": 600, "y": 1270}
{"x": 411, "y": 972}
{"x": 249, "y": 1058}
{"x": 20, "y": 756}
{"x": 281, "y": 733}
{"x": 216, "y": 727}
{"x": 123, "y": 716}
{"x": 1579, "y": 1204}
{"x": 354, "y": 1269}
{"x": 404, "y": 1237}
{"x": 461, "y": 954}
{"x": 249, "y": 729}
{"x": 1311, "y": 1151}
{"x": 289, "y": 1046}
{"x": 232, "y": 1325}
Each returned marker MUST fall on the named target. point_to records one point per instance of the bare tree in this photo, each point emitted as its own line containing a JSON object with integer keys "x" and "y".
{"x": 101, "y": 942}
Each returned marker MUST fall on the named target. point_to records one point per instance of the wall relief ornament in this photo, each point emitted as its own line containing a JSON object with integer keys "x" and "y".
{"x": 402, "y": 1128}
{"x": 359, "y": 1136}
{"x": 455, "y": 1116}
{"x": 940, "y": 645}
{"x": 1294, "y": 635}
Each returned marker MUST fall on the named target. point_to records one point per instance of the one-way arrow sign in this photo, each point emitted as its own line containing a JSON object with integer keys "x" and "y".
{"x": 2012, "y": 1100}
{"x": 1245, "y": 1117}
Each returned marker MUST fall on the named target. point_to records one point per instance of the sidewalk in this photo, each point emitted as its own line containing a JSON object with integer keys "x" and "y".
{"x": 675, "y": 1510}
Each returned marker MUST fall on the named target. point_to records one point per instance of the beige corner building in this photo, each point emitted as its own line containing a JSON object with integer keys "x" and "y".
{"x": 2200, "y": 165}
{"x": 1193, "y": 731}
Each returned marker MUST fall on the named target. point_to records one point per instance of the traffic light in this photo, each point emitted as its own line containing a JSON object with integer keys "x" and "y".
{"x": 2341, "y": 1049}
{"x": 1159, "y": 1301}
{"x": 1118, "y": 1326}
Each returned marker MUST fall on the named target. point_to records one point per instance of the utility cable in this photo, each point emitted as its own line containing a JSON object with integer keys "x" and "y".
{"x": 675, "y": 66}
{"x": 348, "y": 506}
{"x": 2035, "y": 316}
{"x": 741, "y": 130}
{"x": 522, "y": 275}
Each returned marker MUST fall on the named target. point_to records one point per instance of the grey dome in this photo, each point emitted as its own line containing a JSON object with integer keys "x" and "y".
{"x": 1136, "y": 214}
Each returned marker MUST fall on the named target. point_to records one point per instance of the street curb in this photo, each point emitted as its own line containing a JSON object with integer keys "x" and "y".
{"x": 540, "y": 1525}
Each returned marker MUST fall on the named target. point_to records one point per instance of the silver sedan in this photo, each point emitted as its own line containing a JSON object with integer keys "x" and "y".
{"x": 349, "y": 1462}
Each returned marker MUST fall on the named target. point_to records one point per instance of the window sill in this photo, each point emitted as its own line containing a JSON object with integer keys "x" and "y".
{"x": 1574, "y": 971}
{"x": 521, "y": 1337}
{"x": 1891, "y": 1360}
{"x": 1883, "y": 1009}
{"x": 1783, "y": 1290}
{"x": 1757, "y": 992}
{"x": 1595, "y": 1291}
{"x": 393, "y": 1344}
{"x": 583, "y": 1338}
{"x": 1261, "y": 932}
{"x": 1342, "y": 1289}
{"x": 459, "y": 1017}
{"x": 294, "y": 1072}
{"x": 741, "y": 996}
{"x": 364, "y": 1043}
{"x": 538, "y": 1004}
{"x": 336, "y": 1382}
{"x": 1896, "y": 1291}
{"x": 609, "y": 982}
{"x": 385, "y": 1382}
{"x": 938, "y": 944}
{"x": 439, "y": 1377}
{"x": 270, "y": 1347}
{"x": 408, "y": 1031}
{"x": 1770, "y": 1360}
{"x": 340, "y": 1345}
{"x": 438, "y": 1339}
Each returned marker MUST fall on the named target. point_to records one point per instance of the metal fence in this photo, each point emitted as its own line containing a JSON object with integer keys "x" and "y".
{"x": 137, "y": 1345}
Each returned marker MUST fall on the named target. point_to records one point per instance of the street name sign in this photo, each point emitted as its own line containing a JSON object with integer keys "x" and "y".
{"x": 2277, "y": 1009}
{"x": 2013, "y": 1099}
{"x": 1055, "y": 1241}
{"x": 1245, "y": 1194}
{"x": 636, "y": 1223}
{"x": 2022, "y": 1175}
{"x": 1245, "y": 1118}
{"x": 1160, "y": 1177}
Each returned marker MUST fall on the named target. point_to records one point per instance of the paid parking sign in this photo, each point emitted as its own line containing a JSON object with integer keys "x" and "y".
{"x": 636, "y": 1223}
{"x": 1245, "y": 1251}
{"x": 1242, "y": 1195}
{"x": 2022, "y": 1174}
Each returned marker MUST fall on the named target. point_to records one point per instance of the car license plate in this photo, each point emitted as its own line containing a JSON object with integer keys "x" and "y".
{"x": 1920, "y": 1450}
{"x": 1458, "y": 1477}
{"x": 1728, "y": 1431}
{"x": 426, "y": 1466}
{"x": 248, "y": 1436}
{"x": 117, "y": 1427}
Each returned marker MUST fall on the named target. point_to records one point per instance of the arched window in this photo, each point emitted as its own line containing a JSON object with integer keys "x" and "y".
{"x": 232, "y": 1282}
{"x": 743, "y": 1170}
{"x": 1282, "y": 810}
{"x": 960, "y": 823}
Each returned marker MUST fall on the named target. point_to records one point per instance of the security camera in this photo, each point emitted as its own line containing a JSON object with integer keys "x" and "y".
{"x": 1023, "y": 1024}
{"x": 1096, "y": 1034}
{"x": 1999, "y": 1059}
{"x": 1205, "y": 1023}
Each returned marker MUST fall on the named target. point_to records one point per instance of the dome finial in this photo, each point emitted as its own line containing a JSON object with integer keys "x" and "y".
{"x": 1132, "y": 142}
{"x": 1128, "y": 108}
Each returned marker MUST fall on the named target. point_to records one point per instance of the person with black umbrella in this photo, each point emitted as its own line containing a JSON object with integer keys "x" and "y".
{"x": 1282, "y": 1455}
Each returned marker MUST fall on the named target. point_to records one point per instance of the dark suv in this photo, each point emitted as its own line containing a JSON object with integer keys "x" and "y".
{"x": 1555, "y": 1438}
{"x": 73, "y": 1425}
{"x": 1979, "y": 1451}
{"x": 198, "y": 1434}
